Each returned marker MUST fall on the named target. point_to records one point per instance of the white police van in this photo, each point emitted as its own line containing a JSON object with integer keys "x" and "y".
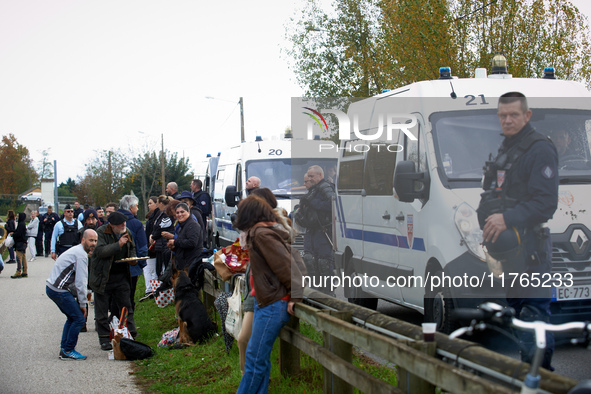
{"x": 409, "y": 210}
{"x": 279, "y": 164}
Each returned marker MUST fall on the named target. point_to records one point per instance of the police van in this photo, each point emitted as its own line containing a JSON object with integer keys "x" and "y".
{"x": 280, "y": 165}
{"x": 409, "y": 182}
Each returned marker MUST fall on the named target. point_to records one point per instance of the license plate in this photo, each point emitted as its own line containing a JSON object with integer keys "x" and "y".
{"x": 571, "y": 293}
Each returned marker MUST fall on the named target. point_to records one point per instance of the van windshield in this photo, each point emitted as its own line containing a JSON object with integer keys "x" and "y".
{"x": 285, "y": 177}
{"x": 465, "y": 140}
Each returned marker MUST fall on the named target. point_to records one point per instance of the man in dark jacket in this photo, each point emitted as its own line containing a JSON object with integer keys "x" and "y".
{"x": 20, "y": 246}
{"x": 129, "y": 207}
{"x": 318, "y": 252}
{"x": 49, "y": 220}
{"x": 524, "y": 177}
{"x": 109, "y": 279}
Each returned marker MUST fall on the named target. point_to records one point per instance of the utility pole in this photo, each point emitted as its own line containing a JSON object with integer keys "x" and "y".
{"x": 163, "y": 166}
{"x": 242, "y": 120}
{"x": 55, "y": 197}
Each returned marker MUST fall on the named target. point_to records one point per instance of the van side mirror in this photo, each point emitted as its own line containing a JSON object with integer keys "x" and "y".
{"x": 408, "y": 183}
{"x": 232, "y": 196}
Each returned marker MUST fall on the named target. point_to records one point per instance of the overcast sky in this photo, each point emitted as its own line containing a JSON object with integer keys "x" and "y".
{"x": 78, "y": 77}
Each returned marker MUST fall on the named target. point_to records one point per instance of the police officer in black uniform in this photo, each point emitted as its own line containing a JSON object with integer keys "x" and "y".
{"x": 521, "y": 194}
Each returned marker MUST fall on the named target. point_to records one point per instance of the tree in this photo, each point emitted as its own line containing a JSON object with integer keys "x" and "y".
{"x": 16, "y": 170}
{"x": 67, "y": 189}
{"x": 145, "y": 176}
{"x": 360, "y": 47}
{"x": 334, "y": 56}
{"x": 104, "y": 180}
{"x": 45, "y": 168}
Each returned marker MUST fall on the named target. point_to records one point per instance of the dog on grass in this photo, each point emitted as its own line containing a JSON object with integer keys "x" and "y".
{"x": 195, "y": 326}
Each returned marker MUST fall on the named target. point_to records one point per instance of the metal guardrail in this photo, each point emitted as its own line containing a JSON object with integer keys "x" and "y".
{"x": 457, "y": 365}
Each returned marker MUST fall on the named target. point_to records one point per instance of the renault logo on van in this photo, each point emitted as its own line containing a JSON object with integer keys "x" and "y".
{"x": 579, "y": 241}
{"x": 386, "y": 122}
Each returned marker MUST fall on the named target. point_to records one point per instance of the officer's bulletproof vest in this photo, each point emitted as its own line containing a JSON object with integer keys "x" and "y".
{"x": 503, "y": 186}
{"x": 70, "y": 235}
{"x": 512, "y": 185}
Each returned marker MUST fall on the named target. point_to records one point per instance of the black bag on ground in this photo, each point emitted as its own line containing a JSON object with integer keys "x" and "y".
{"x": 134, "y": 350}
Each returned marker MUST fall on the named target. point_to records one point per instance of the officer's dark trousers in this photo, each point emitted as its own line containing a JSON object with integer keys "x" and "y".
{"x": 318, "y": 257}
{"x": 117, "y": 293}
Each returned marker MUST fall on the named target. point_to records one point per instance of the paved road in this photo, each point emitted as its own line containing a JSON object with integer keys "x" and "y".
{"x": 30, "y": 334}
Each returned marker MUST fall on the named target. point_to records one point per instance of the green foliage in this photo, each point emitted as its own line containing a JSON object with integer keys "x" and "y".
{"x": 67, "y": 189}
{"x": 104, "y": 180}
{"x": 356, "y": 48}
{"x": 145, "y": 175}
{"x": 16, "y": 167}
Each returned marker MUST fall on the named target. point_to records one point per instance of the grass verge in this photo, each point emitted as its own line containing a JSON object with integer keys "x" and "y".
{"x": 208, "y": 368}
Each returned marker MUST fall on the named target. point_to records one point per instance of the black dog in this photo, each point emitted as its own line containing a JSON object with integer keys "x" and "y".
{"x": 195, "y": 325}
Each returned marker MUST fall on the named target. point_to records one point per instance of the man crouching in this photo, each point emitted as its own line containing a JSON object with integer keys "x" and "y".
{"x": 69, "y": 276}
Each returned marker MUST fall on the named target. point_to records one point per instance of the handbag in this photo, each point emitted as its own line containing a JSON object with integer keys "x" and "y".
{"x": 234, "y": 317}
{"x": 164, "y": 298}
{"x": 9, "y": 241}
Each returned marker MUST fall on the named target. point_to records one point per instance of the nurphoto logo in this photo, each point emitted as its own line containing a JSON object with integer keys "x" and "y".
{"x": 386, "y": 124}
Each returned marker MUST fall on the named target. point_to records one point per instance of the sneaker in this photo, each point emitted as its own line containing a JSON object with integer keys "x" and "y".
{"x": 147, "y": 296}
{"x": 84, "y": 328}
{"x": 24, "y": 276}
{"x": 71, "y": 355}
{"x": 11, "y": 262}
{"x": 16, "y": 276}
{"x": 106, "y": 346}
{"x": 33, "y": 259}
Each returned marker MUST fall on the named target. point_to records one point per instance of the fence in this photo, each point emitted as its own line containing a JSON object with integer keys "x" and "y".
{"x": 421, "y": 366}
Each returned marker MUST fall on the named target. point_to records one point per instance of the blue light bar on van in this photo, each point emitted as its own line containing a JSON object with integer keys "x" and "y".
{"x": 549, "y": 73}
{"x": 208, "y": 155}
{"x": 445, "y": 73}
{"x": 259, "y": 138}
{"x": 385, "y": 90}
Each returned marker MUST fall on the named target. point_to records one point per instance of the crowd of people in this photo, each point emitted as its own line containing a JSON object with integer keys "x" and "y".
{"x": 105, "y": 250}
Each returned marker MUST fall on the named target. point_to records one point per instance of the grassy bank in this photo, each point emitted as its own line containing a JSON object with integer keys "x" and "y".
{"x": 208, "y": 368}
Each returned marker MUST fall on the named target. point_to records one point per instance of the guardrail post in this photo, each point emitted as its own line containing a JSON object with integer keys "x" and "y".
{"x": 410, "y": 383}
{"x": 340, "y": 348}
{"x": 289, "y": 355}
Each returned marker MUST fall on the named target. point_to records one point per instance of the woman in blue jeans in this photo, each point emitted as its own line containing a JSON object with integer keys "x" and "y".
{"x": 276, "y": 286}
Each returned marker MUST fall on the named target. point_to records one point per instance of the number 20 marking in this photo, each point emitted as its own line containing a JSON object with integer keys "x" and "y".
{"x": 472, "y": 98}
{"x": 275, "y": 152}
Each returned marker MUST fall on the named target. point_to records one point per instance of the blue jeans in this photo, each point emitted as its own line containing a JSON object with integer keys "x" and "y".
{"x": 69, "y": 307}
{"x": 266, "y": 325}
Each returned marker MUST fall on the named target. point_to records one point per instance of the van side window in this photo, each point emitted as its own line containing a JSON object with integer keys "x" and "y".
{"x": 379, "y": 169}
{"x": 416, "y": 151}
{"x": 351, "y": 166}
{"x": 239, "y": 177}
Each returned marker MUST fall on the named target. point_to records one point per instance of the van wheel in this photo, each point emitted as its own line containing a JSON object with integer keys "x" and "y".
{"x": 438, "y": 307}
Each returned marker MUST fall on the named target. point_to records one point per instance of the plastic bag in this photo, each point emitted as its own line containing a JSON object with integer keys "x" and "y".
{"x": 234, "y": 317}
{"x": 169, "y": 338}
{"x": 9, "y": 241}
